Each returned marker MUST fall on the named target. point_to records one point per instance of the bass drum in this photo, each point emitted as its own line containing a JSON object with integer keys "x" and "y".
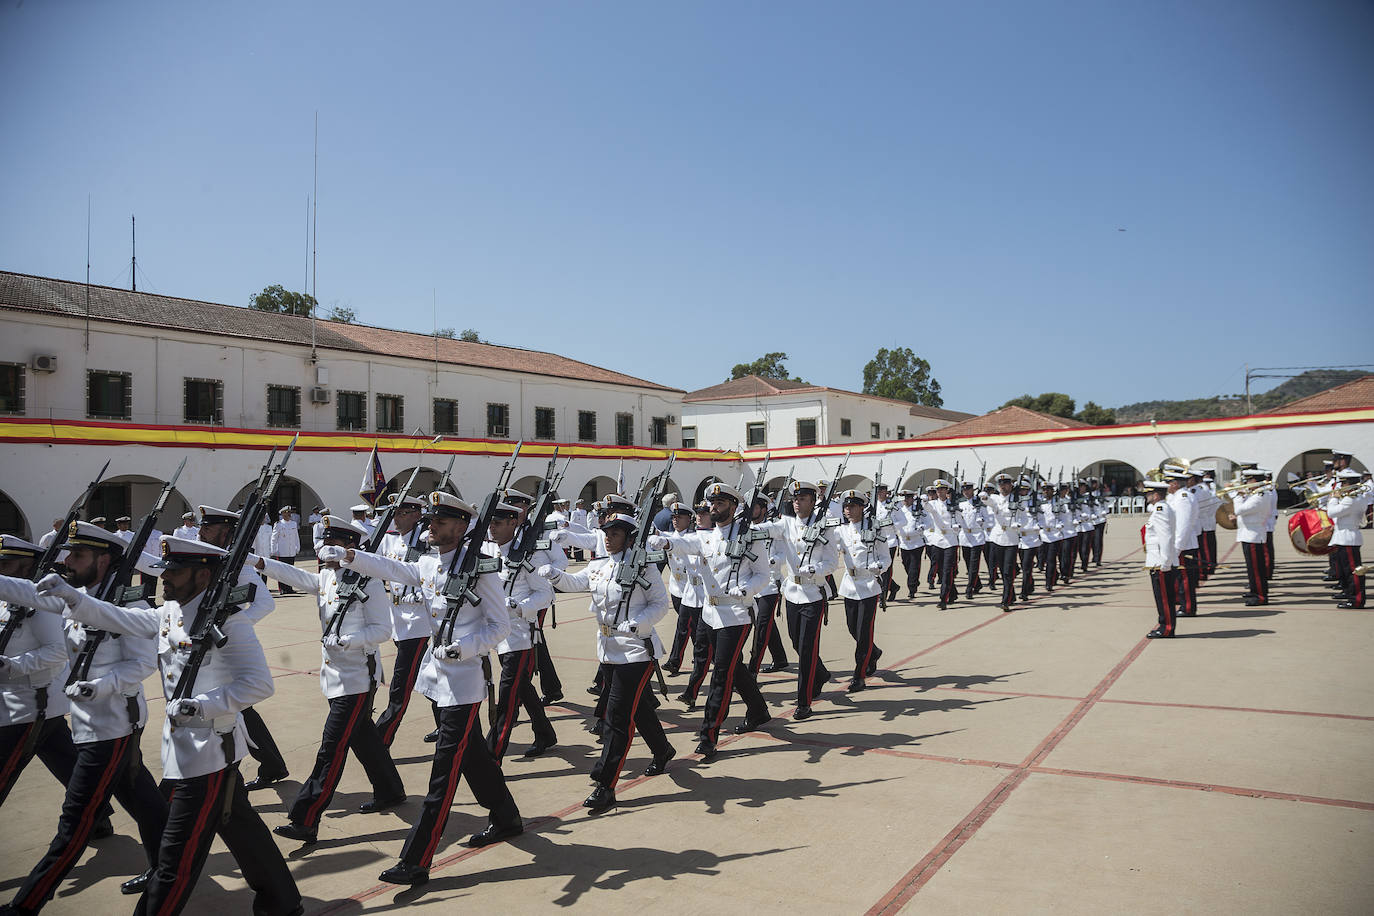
{"x": 1311, "y": 530}
{"x": 1226, "y": 515}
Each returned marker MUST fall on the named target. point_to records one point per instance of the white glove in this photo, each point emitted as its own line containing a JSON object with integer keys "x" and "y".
{"x": 557, "y": 535}
{"x": 337, "y": 642}
{"x": 736, "y": 591}
{"x": 512, "y": 603}
{"x": 657, "y": 542}
{"x": 331, "y": 554}
{"x": 548, "y": 572}
{"x": 809, "y": 569}
{"x": 626, "y": 626}
{"x": 182, "y": 710}
{"x": 90, "y": 690}
{"x": 875, "y": 565}
{"x": 453, "y": 650}
{"x": 54, "y": 586}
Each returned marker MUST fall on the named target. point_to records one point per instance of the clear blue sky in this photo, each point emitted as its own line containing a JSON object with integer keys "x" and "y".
{"x": 669, "y": 189}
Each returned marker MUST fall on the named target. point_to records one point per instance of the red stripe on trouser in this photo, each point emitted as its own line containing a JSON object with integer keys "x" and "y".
{"x": 15, "y": 758}
{"x": 452, "y": 787}
{"x": 1356, "y": 582}
{"x": 1254, "y": 557}
{"x": 729, "y": 689}
{"x": 815, "y": 660}
{"x": 390, "y": 734}
{"x": 513, "y": 701}
{"x": 868, "y": 653}
{"x": 630, "y": 730}
{"x": 1185, "y": 587}
{"x": 181, "y": 884}
{"x": 82, "y": 832}
{"x": 694, "y": 684}
{"x": 335, "y": 770}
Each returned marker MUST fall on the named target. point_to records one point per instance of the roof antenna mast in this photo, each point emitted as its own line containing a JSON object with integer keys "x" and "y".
{"x": 314, "y": 234}
{"x": 133, "y": 261}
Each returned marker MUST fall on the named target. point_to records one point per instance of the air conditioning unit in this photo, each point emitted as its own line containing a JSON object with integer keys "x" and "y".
{"x": 672, "y": 419}
{"x": 319, "y": 395}
{"x": 43, "y": 364}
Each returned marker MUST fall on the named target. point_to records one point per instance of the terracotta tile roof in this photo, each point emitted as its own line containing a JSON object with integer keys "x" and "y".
{"x": 1357, "y": 393}
{"x": 1002, "y": 421}
{"x": 64, "y": 297}
{"x": 753, "y": 386}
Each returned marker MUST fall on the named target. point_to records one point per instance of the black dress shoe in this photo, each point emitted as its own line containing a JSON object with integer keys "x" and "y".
{"x": 1005, "y": 607}
{"x": 910, "y": 596}
{"x": 296, "y": 832}
{"x": 550, "y": 698}
{"x": 381, "y": 804}
{"x": 803, "y": 712}
{"x": 687, "y": 701}
{"x": 598, "y": 727}
{"x": 1157, "y": 633}
{"x": 593, "y": 691}
{"x": 940, "y": 605}
{"x": 136, "y": 885}
{"x": 671, "y": 670}
{"x": 660, "y": 762}
{"x": 401, "y": 873}
{"x": 602, "y": 797}
{"x": 495, "y": 834}
{"x": 431, "y": 738}
{"x": 854, "y": 686}
{"x": 102, "y": 829}
{"x": 872, "y": 668}
{"x": 707, "y": 751}
{"x": 775, "y": 667}
{"x": 539, "y": 747}
{"x": 1253, "y": 602}
{"x": 751, "y": 724}
{"x": 265, "y": 779}
{"x": 1350, "y": 606}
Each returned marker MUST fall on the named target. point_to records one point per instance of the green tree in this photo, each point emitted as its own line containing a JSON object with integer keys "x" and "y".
{"x": 450, "y": 333}
{"x": 342, "y": 314}
{"x": 1054, "y": 403}
{"x": 770, "y": 365}
{"x": 902, "y": 375}
{"x": 471, "y": 336}
{"x": 1096, "y": 415}
{"x": 278, "y": 299}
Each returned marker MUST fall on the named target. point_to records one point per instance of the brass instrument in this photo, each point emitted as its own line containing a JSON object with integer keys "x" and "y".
{"x": 1177, "y": 462}
{"x": 1244, "y": 487}
{"x": 1314, "y": 500}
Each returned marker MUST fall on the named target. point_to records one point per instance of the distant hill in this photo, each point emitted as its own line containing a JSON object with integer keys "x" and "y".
{"x": 1308, "y": 383}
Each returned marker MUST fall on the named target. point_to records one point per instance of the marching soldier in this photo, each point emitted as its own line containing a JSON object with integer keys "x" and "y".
{"x": 766, "y": 635}
{"x": 1048, "y": 526}
{"x": 108, "y": 713}
{"x": 529, "y": 595}
{"x": 703, "y": 646}
{"x": 1068, "y": 532}
{"x": 883, "y": 512}
{"x": 554, "y": 556}
{"x": 1028, "y": 540}
{"x": 203, "y": 738}
{"x": 1007, "y": 519}
{"x": 409, "y": 615}
{"x": 685, "y": 589}
{"x": 1161, "y": 557}
{"x": 863, "y": 551}
{"x": 731, "y": 584}
{"x": 452, "y": 678}
{"x": 909, "y": 522}
{"x": 350, "y": 670}
{"x": 628, "y": 647}
{"x": 973, "y": 534}
{"x": 1251, "y": 509}
{"x": 943, "y": 536}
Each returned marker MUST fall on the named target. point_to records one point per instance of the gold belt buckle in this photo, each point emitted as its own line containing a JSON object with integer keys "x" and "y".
{"x": 607, "y": 630}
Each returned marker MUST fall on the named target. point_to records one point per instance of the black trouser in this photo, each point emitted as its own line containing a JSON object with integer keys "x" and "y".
{"x": 1207, "y": 543}
{"x": 911, "y": 562}
{"x": 932, "y": 554}
{"x": 261, "y": 747}
{"x": 630, "y": 706}
{"x": 684, "y": 633}
{"x": 410, "y": 657}
{"x": 973, "y": 559}
{"x": 347, "y": 727}
{"x": 103, "y": 768}
{"x": 459, "y": 751}
{"x": 549, "y": 681}
{"x": 516, "y": 689}
{"x": 282, "y": 586}
{"x": 1269, "y": 555}
{"x": 889, "y": 574}
{"x": 703, "y": 654}
{"x": 804, "y": 623}
{"x": 1165, "y": 585}
{"x": 861, "y": 616}
{"x": 199, "y": 808}
{"x": 53, "y": 746}
{"x": 1027, "y": 555}
{"x": 1004, "y": 563}
{"x": 1049, "y": 563}
{"x": 1188, "y": 582}
{"x": 1254, "y": 570}
{"x": 1085, "y": 547}
{"x": 1099, "y": 538}
{"x": 949, "y": 590}
{"x": 1352, "y": 586}
{"x": 1066, "y": 557}
{"x": 988, "y": 562}
{"x": 730, "y": 675}
{"x": 766, "y": 635}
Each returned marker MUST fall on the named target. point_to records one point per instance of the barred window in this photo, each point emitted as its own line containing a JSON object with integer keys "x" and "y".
{"x": 109, "y": 395}
{"x": 390, "y": 413}
{"x": 283, "y": 406}
{"x": 351, "y": 410}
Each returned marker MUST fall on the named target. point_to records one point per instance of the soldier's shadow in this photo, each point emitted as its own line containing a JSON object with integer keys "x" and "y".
{"x": 1225, "y": 634}
{"x": 892, "y": 709}
{"x": 587, "y": 867}
{"x": 954, "y": 681}
{"x": 854, "y": 744}
{"x": 117, "y": 856}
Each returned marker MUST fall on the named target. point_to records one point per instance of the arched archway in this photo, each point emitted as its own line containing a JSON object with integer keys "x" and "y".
{"x": 855, "y": 482}
{"x": 425, "y": 482}
{"x": 529, "y": 484}
{"x": 1121, "y": 476}
{"x": 925, "y": 477}
{"x": 134, "y": 495}
{"x": 12, "y": 520}
{"x": 1310, "y": 463}
{"x": 297, "y": 494}
{"x": 701, "y": 488}
{"x": 596, "y": 488}
{"x": 673, "y": 487}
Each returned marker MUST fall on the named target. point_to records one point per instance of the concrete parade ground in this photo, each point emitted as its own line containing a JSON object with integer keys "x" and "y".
{"x": 1049, "y": 759}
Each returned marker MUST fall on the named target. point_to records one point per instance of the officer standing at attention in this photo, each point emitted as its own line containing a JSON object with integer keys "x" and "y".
{"x": 452, "y": 678}
{"x": 1161, "y": 556}
{"x": 1184, "y": 506}
{"x": 203, "y": 738}
{"x": 286, "y": 542}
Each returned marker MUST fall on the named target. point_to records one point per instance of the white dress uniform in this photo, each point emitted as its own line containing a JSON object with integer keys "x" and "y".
{"x": 530, "y": 594}
{"x": 865, "y": 559}
{"x": 35, "y": 658}
{"x": 286, "y": 539}
{"x": 1161, "y": 561}
{"x": 187, "y": 532}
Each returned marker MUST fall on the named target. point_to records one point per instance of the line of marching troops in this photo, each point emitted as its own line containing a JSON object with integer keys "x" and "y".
{"x": 1180, "y": 532}
{"x": 67, "y": 655}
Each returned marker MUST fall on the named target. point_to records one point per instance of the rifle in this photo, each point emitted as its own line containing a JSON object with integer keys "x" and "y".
{"x": 223, "y": 596}
{"x": 412, "y": 555}
{"x": 638, "y": 556}
{"x": 776, "y": 510}
{"x": 812, "y": 535}
{"x": 49, "y": 555}
{"x": 870, "y": 536}
{"x": 738, "y": 548}
{"x": 352, "y": 585}
{"x": 529, "y": 537}
{"x": 467, "y": 564}
{"x": 116, "y": 587}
